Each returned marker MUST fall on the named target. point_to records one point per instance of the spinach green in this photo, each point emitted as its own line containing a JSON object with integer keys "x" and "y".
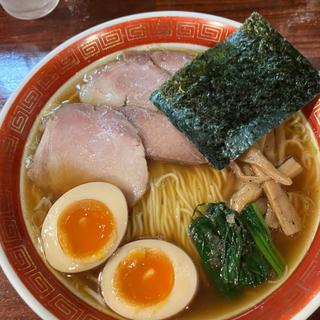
{"x": 227, "y": 244}
{"x": 255, "y": 224}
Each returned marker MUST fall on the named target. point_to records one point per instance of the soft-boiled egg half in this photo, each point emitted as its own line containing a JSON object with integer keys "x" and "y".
{"x": 148, "y": 279}
{"x": 84, "y": 227}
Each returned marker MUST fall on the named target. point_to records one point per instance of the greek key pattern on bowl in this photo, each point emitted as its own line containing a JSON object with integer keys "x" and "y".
{"x": 90, "y": 49}
{"x": 316, "y": 112}
{"x": 67, "y": 309}
{"x": 136, "y": 32}
{"x": 10, "y": 231}
{"x": 48, "y": 77}
{"x": 210, "y": 32}
{"x": 22, "y": 259}
{"x": 111, "y": 39}
{"x": 312, "y": 113}
{"x": 19, "y": 120}
{"x": 31, "y": 99}
{"x": 67, "y": 61}
{"x": 158, "y": 28}
{"x": 41, "y": 284}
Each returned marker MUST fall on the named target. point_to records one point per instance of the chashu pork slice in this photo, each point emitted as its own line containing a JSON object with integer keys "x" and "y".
{"x": 171, "y": 61}
{"x": 81, "y": 144}
{"x": 131, "y": 80}
{"x": 162, "y": 141}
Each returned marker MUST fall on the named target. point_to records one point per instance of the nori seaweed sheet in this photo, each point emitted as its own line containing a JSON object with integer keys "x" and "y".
{"x": 231, "y": 95}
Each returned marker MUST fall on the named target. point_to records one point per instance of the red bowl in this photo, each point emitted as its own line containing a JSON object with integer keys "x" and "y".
{"x": 299, "y": 296}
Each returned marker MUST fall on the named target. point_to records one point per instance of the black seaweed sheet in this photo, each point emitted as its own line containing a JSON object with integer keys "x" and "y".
{"x": 231, "y": 95}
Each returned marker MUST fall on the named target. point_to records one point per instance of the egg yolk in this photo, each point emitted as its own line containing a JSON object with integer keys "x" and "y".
{"x": 145, "y": 277}
{"x": 85, "y": 227}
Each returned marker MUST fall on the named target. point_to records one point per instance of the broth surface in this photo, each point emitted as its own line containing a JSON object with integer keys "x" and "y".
{"x": 208, "y": 304}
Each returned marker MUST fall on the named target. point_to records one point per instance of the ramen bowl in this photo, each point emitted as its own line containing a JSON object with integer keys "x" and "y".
{"x": 42, "y": 290}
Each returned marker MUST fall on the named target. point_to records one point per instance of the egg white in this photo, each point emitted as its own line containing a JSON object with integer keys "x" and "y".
{"x": 183, "y": 291}
{"x": 106, "y": 193}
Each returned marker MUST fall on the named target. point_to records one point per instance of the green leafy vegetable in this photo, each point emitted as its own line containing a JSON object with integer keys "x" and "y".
{"x": 231, "y": 95}
{"x": 253, "y": 221}
{"x": 228, "y": 251}
{"x": 210, "y": 248}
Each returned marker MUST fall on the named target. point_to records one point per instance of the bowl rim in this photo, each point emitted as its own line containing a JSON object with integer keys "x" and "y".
{"x": 8, "y": 270}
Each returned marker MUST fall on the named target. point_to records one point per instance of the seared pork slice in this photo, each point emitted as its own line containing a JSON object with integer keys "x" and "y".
{"x": 131, "y": 80}
{"x": 170, "y": 61}
{"x": 82, "y": 145}
{"x": 162, "y": 141}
